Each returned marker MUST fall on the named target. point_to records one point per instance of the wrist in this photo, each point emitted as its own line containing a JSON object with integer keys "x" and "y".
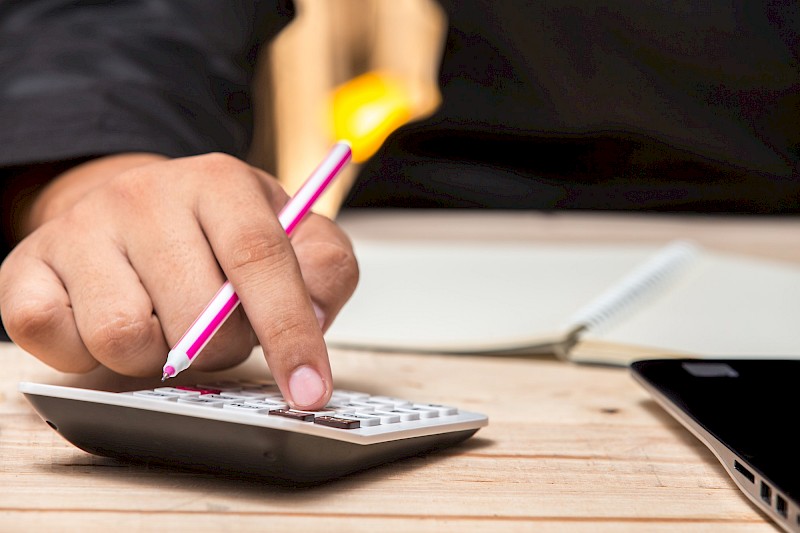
{"x": 68, "y": 187}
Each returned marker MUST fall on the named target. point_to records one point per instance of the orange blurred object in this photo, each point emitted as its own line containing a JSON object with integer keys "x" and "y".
{"x": 367, "y": 108}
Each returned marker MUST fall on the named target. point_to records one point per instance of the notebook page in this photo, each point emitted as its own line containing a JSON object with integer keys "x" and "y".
{"x": 475, "y": 297}
{"x": 724, "y": 306}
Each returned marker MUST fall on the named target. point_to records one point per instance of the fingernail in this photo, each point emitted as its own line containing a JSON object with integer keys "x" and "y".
{"x": 306, "y": 386}
{"x": 320, "y": 315}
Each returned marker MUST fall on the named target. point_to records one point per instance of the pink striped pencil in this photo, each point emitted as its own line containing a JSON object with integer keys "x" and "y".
{"x": 226, "y": 300}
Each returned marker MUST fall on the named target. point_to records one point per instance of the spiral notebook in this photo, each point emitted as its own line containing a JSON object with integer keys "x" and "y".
{"x": 607, "y": 304}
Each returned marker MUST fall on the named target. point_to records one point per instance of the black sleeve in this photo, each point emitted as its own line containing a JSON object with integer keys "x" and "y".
{"x": 81, "y": 79}
{"x": 88, "y": 78}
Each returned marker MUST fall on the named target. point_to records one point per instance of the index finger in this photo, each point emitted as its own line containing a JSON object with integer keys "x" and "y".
{"x": 254, "y": 252}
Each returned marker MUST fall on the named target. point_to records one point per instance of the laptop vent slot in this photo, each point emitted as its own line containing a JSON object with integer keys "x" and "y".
{"x": 744, "y": 471}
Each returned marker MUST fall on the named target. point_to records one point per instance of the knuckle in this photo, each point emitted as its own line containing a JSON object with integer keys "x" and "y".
{"x": 75, "y": 222}
{"x": 222, "y": 173}
{"x": 133, "y": 183}
{"x": 285, "y": 331}
{"x": 335, "y": 268}
{"x": 119, "y": 335}
{"x": 256, "y": 248}
{"x": 132, "y": 193}
{"x": 29, "y": 322}
{"x": 145, "y": 185}
{"x": 31, "y": 318}
{"x": 221, "y": 168}
{"x": 344, "y": 264}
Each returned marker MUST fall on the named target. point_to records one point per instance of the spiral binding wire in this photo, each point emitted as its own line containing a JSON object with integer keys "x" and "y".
{"x": 643, "y": 282}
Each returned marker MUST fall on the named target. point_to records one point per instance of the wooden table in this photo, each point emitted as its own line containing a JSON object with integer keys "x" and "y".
{"x": 568, "y": 448}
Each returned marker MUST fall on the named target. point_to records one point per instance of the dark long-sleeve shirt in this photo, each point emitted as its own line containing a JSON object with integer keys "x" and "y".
{"x": 668, "y": 106}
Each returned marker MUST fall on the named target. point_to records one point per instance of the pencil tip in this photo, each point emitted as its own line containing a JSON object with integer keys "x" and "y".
{"x": 164, "y": 377}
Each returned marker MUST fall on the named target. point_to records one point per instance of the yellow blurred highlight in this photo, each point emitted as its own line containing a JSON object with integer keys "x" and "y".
{"x": 367, "y": 108}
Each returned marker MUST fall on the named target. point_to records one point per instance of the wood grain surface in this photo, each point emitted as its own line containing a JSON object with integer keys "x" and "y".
{"x": 568, "y": 447}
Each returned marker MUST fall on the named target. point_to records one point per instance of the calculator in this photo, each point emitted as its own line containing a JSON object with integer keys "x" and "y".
{"x": 245, "y": 428}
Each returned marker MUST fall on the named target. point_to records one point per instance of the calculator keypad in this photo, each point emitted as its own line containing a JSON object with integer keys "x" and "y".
{"x": 346, "y": 410}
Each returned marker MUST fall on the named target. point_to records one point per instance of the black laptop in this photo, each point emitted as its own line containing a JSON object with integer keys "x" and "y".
{"x": 744, "y": 411}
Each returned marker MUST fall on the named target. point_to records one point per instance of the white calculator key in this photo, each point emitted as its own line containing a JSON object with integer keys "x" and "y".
{"x": 336, "y": 408}
{"x": 270, "y": 393}
{"x": 383, "y": 406}
{"x": 268, "y": 399}
{"x": 386, "y": 418}
{"x": 218, "y": 397}
{"x": 341, "y": 406}
{"x": 366, "y": 420}
{"x": 176, "y": 392}
{"x": 396, "y": 402}
{"x": 352, "y": 407}
{"x": 268, "y": 404}
{"x": 357, "y": 405}
{"x": 198, "y": 389}
{"x": 153, "y": 395}
{"x": 350, "y": 395}
{"x": 203, "y": 401}
{"x": 244, "y": 394}
{"x": 405, "y": 416}
{"x": 444, "y": 410}
{"x": 247, "y": 407}
{"x": 422, "y": 412}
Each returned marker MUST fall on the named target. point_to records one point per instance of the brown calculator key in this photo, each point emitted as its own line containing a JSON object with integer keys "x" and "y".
{"x": 294, "y": 415}
{"x": 336, "y": 422}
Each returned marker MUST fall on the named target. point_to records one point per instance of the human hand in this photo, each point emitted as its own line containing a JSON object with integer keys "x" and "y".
{"x": 119, "y": 262}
